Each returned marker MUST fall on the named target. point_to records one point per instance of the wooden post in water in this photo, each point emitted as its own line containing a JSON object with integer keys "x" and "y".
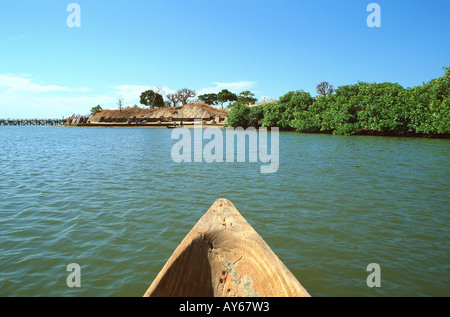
{"x": 224, "y": 256}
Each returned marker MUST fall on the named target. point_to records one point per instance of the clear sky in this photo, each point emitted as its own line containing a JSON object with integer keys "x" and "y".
{"x": 270, "y": 47}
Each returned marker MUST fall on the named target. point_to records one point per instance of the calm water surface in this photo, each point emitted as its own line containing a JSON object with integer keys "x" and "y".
{"x": 113, "y": 201}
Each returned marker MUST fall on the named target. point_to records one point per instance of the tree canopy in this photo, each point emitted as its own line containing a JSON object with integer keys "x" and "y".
{"x": 246, "y": 97}
{"x": 244, "y": 116}
{"x": 226, "y": 96}
{"x": 362, "y": 108}
{"x": 152, "y": 99}
{"x": 96, "y": 109}
{"x": 209, "y": 99}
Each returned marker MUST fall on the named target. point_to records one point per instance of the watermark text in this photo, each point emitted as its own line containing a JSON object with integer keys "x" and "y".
{"x": 213, "y": 151}
{"x": 74, "y": 18}
{"x": 74, "y": 278}
{"x": 374, "y": 18}
{"x": 374, "y": 278}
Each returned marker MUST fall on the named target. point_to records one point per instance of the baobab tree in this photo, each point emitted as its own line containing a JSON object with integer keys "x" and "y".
{"x": 173, "y": 99}
{"x": 324, "y": 88}
{"x": 184, "y": 94}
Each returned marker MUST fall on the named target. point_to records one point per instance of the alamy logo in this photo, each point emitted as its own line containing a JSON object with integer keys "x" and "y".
{"x": 374, "y": 278}
{"x": 74, "y": 18}
{"x": 74, "y": 278}
{"x": 213, "y": 150}
{"x": 374, "y": 19}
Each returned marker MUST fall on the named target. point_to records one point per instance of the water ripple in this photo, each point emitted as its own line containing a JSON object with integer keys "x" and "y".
{"x": 113, "y": 201}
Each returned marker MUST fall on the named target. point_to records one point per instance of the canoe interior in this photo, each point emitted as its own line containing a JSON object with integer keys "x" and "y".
{"x": 223, "y": 256}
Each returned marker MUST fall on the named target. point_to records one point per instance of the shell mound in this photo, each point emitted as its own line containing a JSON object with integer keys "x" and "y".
{"x": 189, "y": 112}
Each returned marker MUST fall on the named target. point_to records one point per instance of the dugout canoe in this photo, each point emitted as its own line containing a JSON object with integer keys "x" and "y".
{"x": 223, "y": 256}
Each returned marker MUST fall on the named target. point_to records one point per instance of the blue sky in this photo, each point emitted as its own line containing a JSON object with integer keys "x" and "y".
{"x": 269, "y": 47}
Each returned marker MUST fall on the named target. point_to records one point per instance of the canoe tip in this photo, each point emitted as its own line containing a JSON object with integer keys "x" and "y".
{"x": 223, "y": 201}
{"x": 209, "y": 254}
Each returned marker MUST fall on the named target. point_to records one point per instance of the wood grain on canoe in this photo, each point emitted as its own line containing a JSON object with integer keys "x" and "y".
{"x": 223, "y": 256}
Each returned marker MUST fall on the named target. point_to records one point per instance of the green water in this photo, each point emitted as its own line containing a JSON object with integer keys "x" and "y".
{"x": 114, "y": 202}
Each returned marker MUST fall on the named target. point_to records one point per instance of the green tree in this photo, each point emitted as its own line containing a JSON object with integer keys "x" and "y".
{"x": 95, "y": 110}
{"x": 246, "y": 97}
{"x": 152, "y": 99}
{"x": 429, "y": 106}
{"x": 209, "y": 99}
{"x": 255, "y": 116}
{"x": 226, "y": 96}
{"x": 281, "y": 113}
{"x": 381, "y": 108}
{"x": 238, "y": 116}
{"x": 244, "y": 116}
{"x": 362, "y": 108}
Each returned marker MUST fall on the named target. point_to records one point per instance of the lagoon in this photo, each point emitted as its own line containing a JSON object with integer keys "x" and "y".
{"x": 113, "y": 201}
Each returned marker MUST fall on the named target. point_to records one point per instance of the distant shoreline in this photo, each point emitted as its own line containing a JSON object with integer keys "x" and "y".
{"x": 147, "y": 125}
{"x": 222, "y": 125}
